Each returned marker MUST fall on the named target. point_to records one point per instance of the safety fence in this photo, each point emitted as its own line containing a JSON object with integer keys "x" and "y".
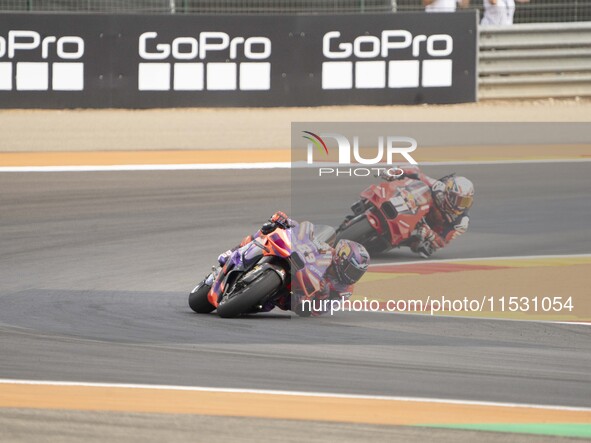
{"x": 535, "y": 60}
{"x": 534, "y": 11}
{"x": 202, "y": 6}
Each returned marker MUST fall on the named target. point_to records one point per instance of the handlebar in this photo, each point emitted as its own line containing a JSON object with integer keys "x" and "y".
{"x": 399, "y": 174}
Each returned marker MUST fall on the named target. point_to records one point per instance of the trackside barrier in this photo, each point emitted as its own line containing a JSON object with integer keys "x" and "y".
{"x": 159, "y": 61}
{"x": 535, "y": 60}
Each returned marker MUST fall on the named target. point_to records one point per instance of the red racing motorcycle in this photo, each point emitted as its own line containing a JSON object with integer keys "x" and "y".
{"x": 387, "y": 214}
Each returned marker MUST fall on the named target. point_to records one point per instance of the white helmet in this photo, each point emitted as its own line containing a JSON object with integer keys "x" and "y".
{"x": 458, "y": 195}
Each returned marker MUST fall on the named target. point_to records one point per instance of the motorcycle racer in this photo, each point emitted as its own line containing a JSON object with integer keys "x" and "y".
{"x": 348, "y": 262}
{"x": 448, "y": 218}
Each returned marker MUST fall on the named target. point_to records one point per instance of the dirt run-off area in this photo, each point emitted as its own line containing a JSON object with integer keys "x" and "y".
{"x": 241, "y": 128}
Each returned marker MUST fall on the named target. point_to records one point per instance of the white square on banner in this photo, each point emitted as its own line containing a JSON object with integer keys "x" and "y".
{"x": 255, "y": 76}
{"x": 5, "y": 76}
{"x": 67, "y": 76}
{"x": 221, "y": 76}
{"x": 437, "y": 73}
{"x": 403, "y": 74}
{"x": 32, "y": 76}
{"x": 188, "y": 76}
{"x": 154, "y": 77}
{"x": 370, "y": 74}
{"x": 337, "y": 75}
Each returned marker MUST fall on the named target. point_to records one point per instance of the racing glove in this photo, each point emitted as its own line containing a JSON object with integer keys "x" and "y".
{"x": 391, "y": 174}
{"x": 268, "y": 228}
{"x": 426, "y": 243}
{"x": 278, "y": 220}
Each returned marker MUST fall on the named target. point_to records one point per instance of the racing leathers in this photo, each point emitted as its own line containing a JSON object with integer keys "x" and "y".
{"x": 439, "y": 227}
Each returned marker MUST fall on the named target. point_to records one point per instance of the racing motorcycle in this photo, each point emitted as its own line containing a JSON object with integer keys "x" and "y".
{"x": 387, "y": 214}
{"x": 258, "y": 276}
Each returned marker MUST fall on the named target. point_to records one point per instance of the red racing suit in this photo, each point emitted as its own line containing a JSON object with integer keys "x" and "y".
{"x": 439, "y": 228}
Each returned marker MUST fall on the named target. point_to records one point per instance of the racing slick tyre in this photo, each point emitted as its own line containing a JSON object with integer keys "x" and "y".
{"x": 244, "y": 300}
{"x": 198, "y": 299}
{"x": 362, "y": 232}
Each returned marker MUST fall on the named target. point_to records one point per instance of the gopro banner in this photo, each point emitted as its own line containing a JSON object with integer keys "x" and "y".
{"x": 151, "y": 61}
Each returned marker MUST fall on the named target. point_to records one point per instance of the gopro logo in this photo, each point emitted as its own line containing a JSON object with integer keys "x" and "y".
{"x": 65, "y": 75}
{"x": 377, "y": 65}
{"x": 190, "y": 70}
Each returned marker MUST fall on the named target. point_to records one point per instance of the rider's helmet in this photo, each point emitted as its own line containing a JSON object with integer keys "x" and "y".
{"x": 457, "y": 197}
{"x": 350, "y": 261}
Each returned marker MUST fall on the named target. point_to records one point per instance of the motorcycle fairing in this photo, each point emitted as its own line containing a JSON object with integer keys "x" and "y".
{"x": 260, "y": 250}
{"x": 397, "y": 207}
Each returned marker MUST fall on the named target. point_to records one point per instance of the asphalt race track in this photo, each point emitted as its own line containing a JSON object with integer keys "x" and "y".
{"x": 95, "y": 269}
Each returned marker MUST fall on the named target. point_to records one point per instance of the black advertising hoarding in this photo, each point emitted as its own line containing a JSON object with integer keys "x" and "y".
{"x": 151, "y": 61}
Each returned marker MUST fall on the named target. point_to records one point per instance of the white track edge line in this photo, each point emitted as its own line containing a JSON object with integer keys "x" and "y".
{"x": 290, "y": 393}
{"x": 167, "y": 167}
{"x": 261, "y": 165}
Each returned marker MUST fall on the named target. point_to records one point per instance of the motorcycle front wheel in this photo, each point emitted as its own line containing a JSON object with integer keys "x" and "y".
{"x": 362, "y": 232}
{"x": 247, "y": 298}
{"x": 198, "y": 301}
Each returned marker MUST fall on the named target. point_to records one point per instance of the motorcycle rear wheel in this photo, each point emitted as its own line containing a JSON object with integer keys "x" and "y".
{"x": 244, "y": 300}
{"x": 198, "y": 301}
